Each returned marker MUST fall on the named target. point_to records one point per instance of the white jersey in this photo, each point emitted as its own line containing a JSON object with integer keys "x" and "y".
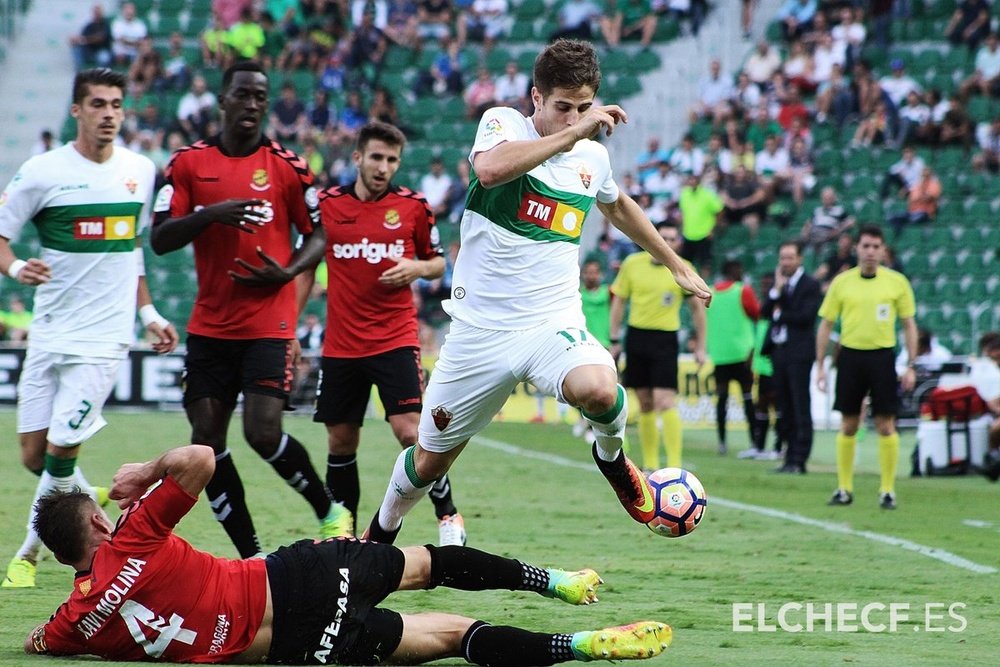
{"x": 519, "y": 261}
{"x": 88, "y": 217}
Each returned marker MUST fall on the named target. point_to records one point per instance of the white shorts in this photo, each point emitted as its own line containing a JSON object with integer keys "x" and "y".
{"x": 479, "y": 368}
{"x": 65, "y": 394}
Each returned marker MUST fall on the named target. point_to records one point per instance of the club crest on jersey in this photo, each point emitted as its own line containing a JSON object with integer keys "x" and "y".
{"x": 260, "y": 180}
{"x": 585, "y": 175}
{"x": 131, "y": 185}
{"x": 551, "y": 214}
{"x": 392, "y": 220}
{"x": 442, "y": 417}
{"x": 85, "y": 586}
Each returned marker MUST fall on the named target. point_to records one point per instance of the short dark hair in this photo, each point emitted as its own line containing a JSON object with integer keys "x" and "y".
{"x": 870, "y": 230}
{"x": 666, "y": 224}
{"x": 792, "y": 244}
{"x": 389, "y": 134}
{"x": 989, "y": 341}
{"x": 240, "y": 66}
{"x": 732, "y": 269}
{"x": 59, "y": 523}
{"x": 568, "y": 64}
{"x": 98, "y": 76}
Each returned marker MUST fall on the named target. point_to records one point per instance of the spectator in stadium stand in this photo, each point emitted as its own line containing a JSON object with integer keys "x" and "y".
{"x": 849, "y": 36}
{"x": 480, "y": 94}
{"x": 92, "y": 47}
{"x": 239, "y": 193}
{"x": 790, "y": 306}
{"x": 714, "y": 92}
{"x": 321, "y": 114}
{"x": 773, "y": 168}
{"x": 176, "y": 68}
{"x": 456, "y": 193}
{"x": 554, "y": 145}
{"x": 127, "y": 30}
{"x": 46, "y": 142}
{"x": 828, "y": 221}
{"x": 760, "y": 128}
{"x": 874, "y": 129}
{"x": 16, "y": 320}
{"x": 445, "y": 72}
{"x": 87, "y": 285}
{"x": 679, "y": 10}
{"x": 985, "y": 80}
{"x": 146, "y": 74}
{"x": 898, "y": 84}
{"x": 914, "y": 118}
{"x": 229, "y": 11}
{"x": 353, "y": 116}
{"x": 969, "y": 24}
{"x": 921, "y": 203}
{"x": 196, "y": 109}
{"x": 819, "y": 27}
{"x": 435, "y": 186}
{"x": 792, "y": 108}
{"x": 483, "y": 21}
{"x": 957, "y": 126}
{"x": 630, "y": 18}
{"x": 762, "y": 64}
{"x": 383, "y": 108}
{"x": 882, "y": 13}
{"x": 745, "y": 200}
{"x": 825, "y": 57}
{"x": 664, "y": 186}
{"x": 512, "y": 88}
{"x": 902, "y": 175}
{"x": 868, "y": 300}
{"x": 368, "y": 46}
{"x": 798, "y": 68}
{"x": 700, "y": 210}
{"x": 730, "y": 342}
{"x": 646, "y": 162}
{"x": 989, "y": 346}
{"x": 743, "y": 97}
{"x": 379, "y": 10}
{"x": 212, "y": 41}
{"x": 796, "y": 17}
{"x": 274, "y": 52}
{"x": 402, "y": 26}
{"x": 839, "y": 260}
{"x": 687, "y": 158}
{"x": 651, "y": 346}
{"x": 575, "y": 19}
{"x": 434, "y": 19}
{"x": 245, "y": 38}
{"x": 746, "y": 17}
{"x": 931, "y": 354}
{"x": 283, "y": 609}
{"x": 801, "y": 165}
{"x": 287, "y": 122}
{"x": 359, "y": 353}
{"x": 988, "y": 138}
{"x": 738, "y": 153}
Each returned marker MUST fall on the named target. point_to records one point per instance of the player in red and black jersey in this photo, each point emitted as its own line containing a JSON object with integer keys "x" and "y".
{"x": 237, "y": 198}
{"x": 141, "y": 592}
{"x": 380, "y": 238}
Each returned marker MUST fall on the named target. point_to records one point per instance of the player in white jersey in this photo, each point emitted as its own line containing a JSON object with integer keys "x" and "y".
{"x": 90, "y": 202}
{"x": 515, "y": 294}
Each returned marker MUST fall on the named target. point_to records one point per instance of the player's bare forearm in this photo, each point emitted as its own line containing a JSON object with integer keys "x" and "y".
{"x": 823, "y": 340}
{"x": 699, "y": 320}
{"x": 309, "y": 253}
{"x": 190, "y": 466}
{"x": 511, "y": 159}
{"x": 303, "y": 288}
{"x": 175, "y": 233}
{"x": 616, "y": 316}
{"x": 433, "y": 268}
{"x": 910, "y": 337}
{"x": 143, "y": 296}
{"x": 627, "y": 216}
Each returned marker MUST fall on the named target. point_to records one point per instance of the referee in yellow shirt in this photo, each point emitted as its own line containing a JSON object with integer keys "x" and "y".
{"x": 651, "y": 346}
{"x": 868, "y": 299}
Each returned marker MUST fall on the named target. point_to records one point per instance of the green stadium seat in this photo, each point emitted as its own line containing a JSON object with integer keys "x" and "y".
{"x": 529, "y": 10}
{"x": 171, "y": 7}
{"x": 497, "y": 59}
{"x": 646, "y": 61}
{"x": 526, "y": 61}
{"x": 165, "y": 26}
{"x": 927, "y": 59}
{"x": 521, "y": 31}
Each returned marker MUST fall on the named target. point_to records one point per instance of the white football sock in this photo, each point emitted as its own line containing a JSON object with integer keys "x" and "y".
{"x": 611, "y": 434}
{"x": 46, "y": 484}
{"x": 403, "y": 492}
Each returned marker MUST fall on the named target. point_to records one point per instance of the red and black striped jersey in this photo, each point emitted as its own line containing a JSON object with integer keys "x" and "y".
{"x": 364, "y": 239}
{"x": 202, "y": 174}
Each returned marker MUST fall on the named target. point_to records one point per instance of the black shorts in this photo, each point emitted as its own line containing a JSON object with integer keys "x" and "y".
{"x": 864, "y": 372}
{"x": 740, "y": 372}
{"x": 651, "y": 359}
{"x": 345, "y": 385}
{"x": 324, "y": 596}
{"x": 698, "y": 252}
{"x": 221, "y": 368}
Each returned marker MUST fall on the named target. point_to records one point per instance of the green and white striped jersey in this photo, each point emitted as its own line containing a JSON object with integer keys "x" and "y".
{"x": 519, "y": 261}
{"x": 88, "y": 216}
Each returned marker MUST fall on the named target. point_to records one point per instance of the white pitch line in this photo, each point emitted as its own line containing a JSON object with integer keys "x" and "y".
{"x": 930, "y": 552}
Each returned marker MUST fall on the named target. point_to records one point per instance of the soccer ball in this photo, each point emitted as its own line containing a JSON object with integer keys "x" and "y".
{"x": 680, "y": 502}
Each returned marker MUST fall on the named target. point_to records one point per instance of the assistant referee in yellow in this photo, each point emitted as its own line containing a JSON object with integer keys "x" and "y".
{"x": 868, "y": 300}
{"x": 651, "y": 346}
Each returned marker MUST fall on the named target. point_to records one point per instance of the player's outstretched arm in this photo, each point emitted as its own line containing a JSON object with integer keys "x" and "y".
{"x": 511, "y": 159}
{"x": 190, "y": 466}
{"x": 270, "y": 272}
{"x": 626, "y": 215}
{"x": 27, "y": 272}
{"x": 171, "y": 234}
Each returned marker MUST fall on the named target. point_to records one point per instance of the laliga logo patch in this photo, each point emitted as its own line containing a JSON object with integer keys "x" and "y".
{"x": 260, "y": 181}
{"x": 85, "y": 587}
{"x": 442, "y": 417}
{"x": 493, "y": 128}
{"x": 131, "y": 184}
{"x": 585, "y": 175}
{"x": 392, "y": 219}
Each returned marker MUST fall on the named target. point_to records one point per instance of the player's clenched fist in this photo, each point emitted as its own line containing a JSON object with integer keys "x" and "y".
{"x": 607, "y": 116}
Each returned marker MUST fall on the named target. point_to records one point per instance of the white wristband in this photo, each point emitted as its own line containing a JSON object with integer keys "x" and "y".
{"x": 14, "y": 270}
{"x": 140, "y": 262}
{"x": 148, "y": 315}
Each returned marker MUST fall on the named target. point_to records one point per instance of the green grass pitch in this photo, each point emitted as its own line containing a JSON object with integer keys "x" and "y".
{"x": 788, "y": 548}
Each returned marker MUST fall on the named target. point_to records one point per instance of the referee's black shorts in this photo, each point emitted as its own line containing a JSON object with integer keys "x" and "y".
{"x": 651, "y": 359}
{"x": 866, "y": 372}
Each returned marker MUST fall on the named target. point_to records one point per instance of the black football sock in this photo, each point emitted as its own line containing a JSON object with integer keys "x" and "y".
{"x": 228, "y": 503}
{"x": 721, "y": 408}
{"x": 751, "y": 416}
{"x": 762, "y": 423}
{"x": 292, "y": 463}
{"x": 468, "y": 569}
{"x": 342, "y": 481}
{"x": 440, "y": 494}
{"x": 376, "y": 533}
{"x": 500, "y": 645}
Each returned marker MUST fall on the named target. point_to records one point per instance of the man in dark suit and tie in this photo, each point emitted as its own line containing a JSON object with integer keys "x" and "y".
{"x": 792, "y": 305}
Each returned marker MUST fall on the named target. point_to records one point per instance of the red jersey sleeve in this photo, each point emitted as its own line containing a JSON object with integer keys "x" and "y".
{"x": 302, "y": 203}
{"x": 426, "y": 240}
{"x": 151, "y": 519}
{"x": 751, "y": 306}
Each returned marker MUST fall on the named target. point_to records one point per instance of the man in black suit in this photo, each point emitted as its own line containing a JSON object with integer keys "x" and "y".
{"x": 792, "y": 305}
